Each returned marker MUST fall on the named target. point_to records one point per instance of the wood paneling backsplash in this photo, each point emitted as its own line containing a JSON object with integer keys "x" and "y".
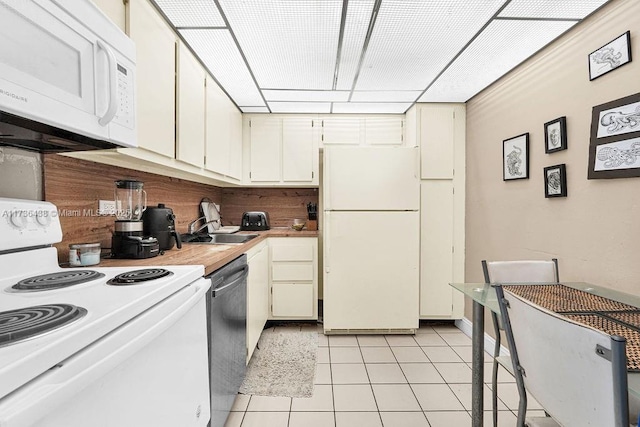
{"x": 282, "y": 204}
{"x": 75, "y": 186}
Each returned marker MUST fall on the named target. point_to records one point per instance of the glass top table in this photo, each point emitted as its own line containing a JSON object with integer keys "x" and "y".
{"x": 483, "y": 295}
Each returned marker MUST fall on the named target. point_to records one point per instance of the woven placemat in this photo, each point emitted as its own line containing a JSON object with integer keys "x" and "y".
{"x": 563, "y": 299}
{"x": 611, "y": 327}
{"x": 631, "y": 318}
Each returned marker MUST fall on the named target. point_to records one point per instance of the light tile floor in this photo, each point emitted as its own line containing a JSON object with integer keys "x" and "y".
{"x": 386, "y": 381}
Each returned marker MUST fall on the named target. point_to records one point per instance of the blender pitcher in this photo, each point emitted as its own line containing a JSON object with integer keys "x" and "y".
{"x": 131, "y": 200}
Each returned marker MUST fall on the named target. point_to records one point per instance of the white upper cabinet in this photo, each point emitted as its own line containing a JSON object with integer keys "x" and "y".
{"x": 283, "y": 151}
{"x": 191, "y": 108}
{"x": 340, "y": 130}
{"x": 266, "y": 137}
{"x": 155, "y": 81}
{"x": 383, "y": 130}
{"x": 223, "y": 133}
{"x": 297, "y": 150}
{"x": 440, "y": 130}
{"x": 363, "y": 130}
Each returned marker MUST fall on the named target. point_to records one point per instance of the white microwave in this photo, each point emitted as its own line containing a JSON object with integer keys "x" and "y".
{"x": 66, "y": 70}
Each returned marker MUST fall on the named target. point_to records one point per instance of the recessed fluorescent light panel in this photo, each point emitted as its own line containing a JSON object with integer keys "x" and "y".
{"x": 371, "y": 107}
{"x": 306, "y": 95}
{"x": 500, "y": 47}
{"x": 300, "y": 107}
{"x": 355, "y": 32}
{"x": 567, "y": 9}
{"x": 414, "y": 40}
{"x": 191, "y": 13}
{"x": 288, "y": 44}
{"x": 218, "y": 52}
{"x": 386, "y": 96}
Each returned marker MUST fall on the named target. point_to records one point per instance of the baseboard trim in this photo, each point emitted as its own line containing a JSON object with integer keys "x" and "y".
{"x": 466, "y": 326}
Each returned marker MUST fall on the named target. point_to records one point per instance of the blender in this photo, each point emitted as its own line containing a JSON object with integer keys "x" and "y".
{"x": 128, "y": 240}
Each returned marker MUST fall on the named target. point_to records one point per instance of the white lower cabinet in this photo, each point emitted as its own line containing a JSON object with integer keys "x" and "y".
{"x": 257, "y": 294}
{"x": 294, "y": 278}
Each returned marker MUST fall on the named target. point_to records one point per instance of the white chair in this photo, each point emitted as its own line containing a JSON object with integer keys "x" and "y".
{"x": 577, "y": 373}
{"x": 533, "y": 271}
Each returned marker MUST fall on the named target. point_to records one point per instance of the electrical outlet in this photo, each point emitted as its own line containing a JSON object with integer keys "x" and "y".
{"x": 106, "y": 207}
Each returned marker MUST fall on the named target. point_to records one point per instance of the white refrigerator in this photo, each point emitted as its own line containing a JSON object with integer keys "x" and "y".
{"x": 371, "y": 239}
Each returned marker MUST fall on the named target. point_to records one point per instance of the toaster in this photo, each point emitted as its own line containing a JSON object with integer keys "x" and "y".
{"x": 255, "y": 221}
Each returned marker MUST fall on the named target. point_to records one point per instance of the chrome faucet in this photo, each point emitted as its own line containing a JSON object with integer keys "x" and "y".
{"x": 191, "y": 228}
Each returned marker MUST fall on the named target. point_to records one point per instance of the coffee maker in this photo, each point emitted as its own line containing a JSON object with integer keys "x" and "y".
{"x": 128, "y": 240}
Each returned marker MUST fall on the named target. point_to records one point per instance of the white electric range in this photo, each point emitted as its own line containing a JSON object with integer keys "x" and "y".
{"x": 96, "y": 346}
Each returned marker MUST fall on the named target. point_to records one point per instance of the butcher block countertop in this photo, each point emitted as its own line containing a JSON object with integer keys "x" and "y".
{"x": 211, "y": 256}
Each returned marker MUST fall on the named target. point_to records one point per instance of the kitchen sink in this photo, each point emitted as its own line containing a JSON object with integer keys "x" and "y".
{"x": 217, "y": 239}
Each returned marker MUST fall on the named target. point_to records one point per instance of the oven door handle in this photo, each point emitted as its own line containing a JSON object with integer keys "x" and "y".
{"x": 62, "y": 382}
{"x": 242, "y": 274}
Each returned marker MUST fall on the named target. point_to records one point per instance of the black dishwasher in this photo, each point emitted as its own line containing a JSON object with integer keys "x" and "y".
{"x": 227, "y": 331}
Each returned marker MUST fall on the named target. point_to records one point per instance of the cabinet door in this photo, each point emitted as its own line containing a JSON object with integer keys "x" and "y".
{"x": 257, "y": 297}
{"x": 297, "y": 150}
{"x": 292, "y": 300}
{"x": 266, "y": 137}
{"x": 115, "y": 11}
{"x": 384, "y": 130}
{"x": 235, "y": 157}
{"x": 437, "y": 136}
{"x": 191, "y": 108}
{"x": 341, "y": 130}
{"x": 218, "y": 130}
{"x": 155, "y": 81}
{"x": 436, "y": 254}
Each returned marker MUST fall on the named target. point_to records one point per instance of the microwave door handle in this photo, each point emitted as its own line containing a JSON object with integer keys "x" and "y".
{"x": 113, "y": 86}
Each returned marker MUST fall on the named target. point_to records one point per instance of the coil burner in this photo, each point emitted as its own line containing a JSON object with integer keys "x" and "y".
{"x": 23, "y": 323}
{"x": 139, "y": 276}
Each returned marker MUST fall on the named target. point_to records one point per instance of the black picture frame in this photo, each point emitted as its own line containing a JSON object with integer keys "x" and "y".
{"x": 555, "y": 135}
{"x": 515, "y": 158}
{"x": 555, "y": 181}
{"x": 614, "y": 146}
{"x": 611, "y": 56}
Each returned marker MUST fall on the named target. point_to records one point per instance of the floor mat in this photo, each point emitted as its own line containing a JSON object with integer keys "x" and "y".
{"x": 283, "y": 364}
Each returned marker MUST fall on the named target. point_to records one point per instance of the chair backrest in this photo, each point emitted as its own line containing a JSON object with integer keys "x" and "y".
{"x": 520, "y": 271}
{"x": 577, "y": 373}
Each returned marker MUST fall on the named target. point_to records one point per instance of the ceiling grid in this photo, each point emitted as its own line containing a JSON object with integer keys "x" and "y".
{"x": 364, "y": 56}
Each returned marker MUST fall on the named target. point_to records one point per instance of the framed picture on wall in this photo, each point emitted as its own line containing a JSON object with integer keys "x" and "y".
{"x": 555, "y": 181}
{"x": 614, "y": 148}
{"x": 612, "y": 55}
{"x": 555, "y": 135}
{"x": 515, "y": 158}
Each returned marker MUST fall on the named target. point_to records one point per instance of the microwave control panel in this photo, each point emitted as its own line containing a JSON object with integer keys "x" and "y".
{"x": 125, "y": 114}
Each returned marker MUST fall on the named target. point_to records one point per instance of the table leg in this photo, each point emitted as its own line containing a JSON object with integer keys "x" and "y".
{"x": 477, "y": 366}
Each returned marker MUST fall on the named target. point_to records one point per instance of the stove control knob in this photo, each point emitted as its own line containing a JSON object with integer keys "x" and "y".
{"x": 18, "y": 220}
{"x": 43, "y": 219}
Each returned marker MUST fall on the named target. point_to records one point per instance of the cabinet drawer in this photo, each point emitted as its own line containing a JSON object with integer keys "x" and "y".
{"x": 292, "y": 272}
{"x": 292, "y": 252}
{"x": 292, "y": 300}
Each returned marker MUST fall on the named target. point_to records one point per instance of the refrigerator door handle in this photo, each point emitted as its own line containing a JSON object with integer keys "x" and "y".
{"x": 326, "y": 240}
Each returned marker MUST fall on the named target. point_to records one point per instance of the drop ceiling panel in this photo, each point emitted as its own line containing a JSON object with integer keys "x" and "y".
{"x": 501, "y": 46}
{"x": 254, "y": 109}
{"x": 371, "y": 107}
{"x": 568, "y": 9}
{"x": 219, "y": 54}
{"x": 414, "y": 40}
{"x": 386, "y": 96}
{"x": 355, "y": 31}
{"x": 288, "y": 44}
{"x": 300, "y": 107}
{"x": 306, "y": 95}
{"x": 191, "y": 13}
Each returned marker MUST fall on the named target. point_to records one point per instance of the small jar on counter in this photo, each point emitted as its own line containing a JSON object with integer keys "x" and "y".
{"x": 82, "y": 254}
